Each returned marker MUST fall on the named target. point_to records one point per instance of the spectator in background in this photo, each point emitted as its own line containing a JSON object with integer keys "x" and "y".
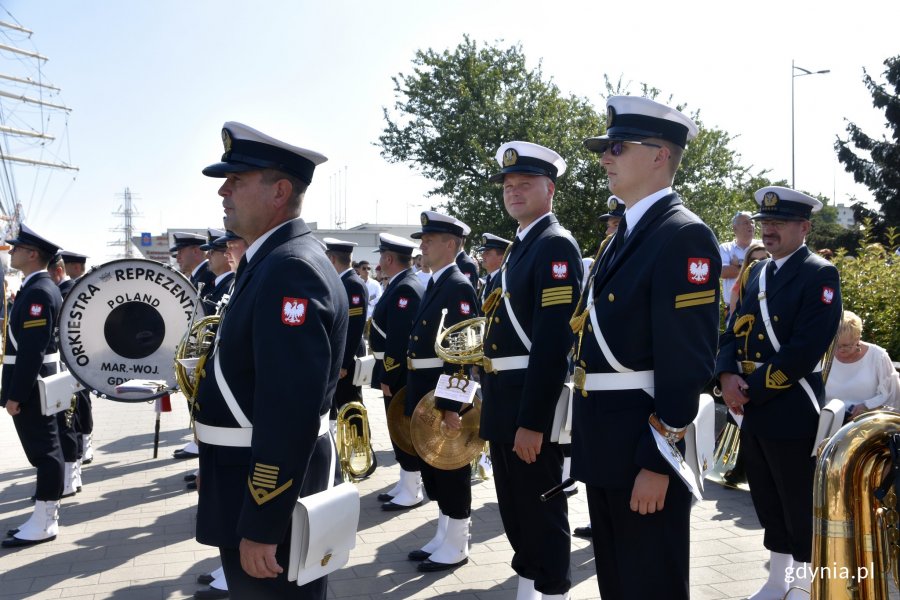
{"x": 755, "y": 251}
{"x": 364, "y": 269}
{"x": 733, "y": 252}
{"x": 862, "y": 374}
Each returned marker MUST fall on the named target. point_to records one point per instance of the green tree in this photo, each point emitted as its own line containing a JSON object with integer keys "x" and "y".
{"x": 456, "y": 107}
{"x": 877, "y": 166}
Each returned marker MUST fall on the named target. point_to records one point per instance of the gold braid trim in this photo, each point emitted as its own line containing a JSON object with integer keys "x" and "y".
{"x": 579, "y": 317}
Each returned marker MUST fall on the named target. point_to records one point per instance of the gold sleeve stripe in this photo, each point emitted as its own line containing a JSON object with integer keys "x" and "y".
{"x": 264, "y": 478}
{"x": 34, "y": 323}
{"x": 546, "y": 303}
{"x": 699, "y": 302}
{"x": 263, "y": 468}
{"x": 390, "y": 364}
{"x": 261, "y": 496}
{"x": 555, "y": 295}
{"x": 695, "y": 295}
{"x": 565, "y": 289}
{"x": 356, "y": 312}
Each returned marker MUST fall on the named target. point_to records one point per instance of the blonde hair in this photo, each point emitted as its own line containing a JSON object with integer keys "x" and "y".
{"x": 850, "y": 323}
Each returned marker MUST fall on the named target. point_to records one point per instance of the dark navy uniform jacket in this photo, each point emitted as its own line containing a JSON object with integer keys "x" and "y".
{"x": 32, "y": 321}
{"x": 358, "y": 301}
{"x": 804, "y": 301}
{"x": 204, "y": 276}
{"x": 394, "y": 315}
{"x": 656, "y": 302}
{"x": 543, "y": 278}
{"x": 211, "y": 301}
{"x": 66, "y": 286}
{"x": 280, "y": 345}
{"x": 468, "y": 267}
{"x": 452, "y": 291}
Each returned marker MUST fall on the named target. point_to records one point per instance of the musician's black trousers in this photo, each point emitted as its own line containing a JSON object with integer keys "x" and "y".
{"x": 40, "y": 441}
{"x": 451, "y": 489}
{"x": 780, "y": 474}
{"x": 68, "y": 437}
{"x": 85, "y": 413}
{"x": 641, "y": 556}
{"x": 537, "y": 531}
{"x": 242, "y": 586}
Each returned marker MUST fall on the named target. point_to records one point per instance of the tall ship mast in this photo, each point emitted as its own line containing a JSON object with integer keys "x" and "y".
{"x": 34, "y": 145}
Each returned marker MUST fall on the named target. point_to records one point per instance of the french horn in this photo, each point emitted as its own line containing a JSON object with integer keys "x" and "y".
{"x": 353, "y": 443}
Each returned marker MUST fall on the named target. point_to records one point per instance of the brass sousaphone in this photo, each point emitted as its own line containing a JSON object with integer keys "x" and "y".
{"x": 437, "y": 444}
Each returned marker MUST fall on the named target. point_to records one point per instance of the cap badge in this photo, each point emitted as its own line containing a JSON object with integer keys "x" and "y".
{"x": 611, "y": 204}
{"x": 226, "y": 140}
{"x": 484, "y": 240}
{"x": 424, "y": 219}
{"x": 510, "y": 157}
{"x": 610, "y": 116}
{"x": 770, "y": 199}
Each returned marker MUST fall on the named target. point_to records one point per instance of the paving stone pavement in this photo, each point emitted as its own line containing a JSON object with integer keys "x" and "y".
{"x": 129, "y": 535}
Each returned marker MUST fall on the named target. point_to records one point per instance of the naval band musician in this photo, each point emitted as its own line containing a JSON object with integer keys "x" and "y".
{"x": 451, "y": 291}
{"x": 526, "y": 346}
{"x": 647, "y": 331}
{"x": 276, "y": 360}
{"x": 31, "y": 351}
{"x": 770, "y": 368}
{"x": 389, "y": 330}
{"x": 492, "y": 249}
{"x": 217, "y": 262}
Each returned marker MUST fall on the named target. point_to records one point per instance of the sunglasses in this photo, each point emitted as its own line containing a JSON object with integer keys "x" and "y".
{"x": 618, "y": 146}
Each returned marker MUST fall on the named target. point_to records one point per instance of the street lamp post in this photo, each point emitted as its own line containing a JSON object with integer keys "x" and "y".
{"x": 794, "y": 75}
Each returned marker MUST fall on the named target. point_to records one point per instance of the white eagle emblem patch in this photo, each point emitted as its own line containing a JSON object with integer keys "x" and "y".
{"x": 355, "y": 299}
{"x": 293, "y": 311}
{"x": 827, "y": 295}
{"x": 36, "y": 310}
{"x": 698, "y": 270}
{"x": 559, "y": 270}
{"x": 402, "y": 302}
{"x": 465, "y": 308}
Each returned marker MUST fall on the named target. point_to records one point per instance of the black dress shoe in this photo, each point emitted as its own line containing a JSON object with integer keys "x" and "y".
{"x": 385, "y": 497}
{"x": 428, "y": 566}
{"x": 210, "y": 594}
{"x": 583, "y": 532}
{"x": 391, "y": 507}
{"x": 416, "y": 555}
{"x": 15, "y": 542}
{"x": 192, "y": 485}
{"x": 181, "y": 455}
{"x": 12, "y": 532}
{"x": 190, "y": 477}
{"x": 87, "y": 461}
{"x": 205, "y": 579}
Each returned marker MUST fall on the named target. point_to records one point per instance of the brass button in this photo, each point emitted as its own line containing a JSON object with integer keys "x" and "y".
{"x": 612, "y": 297}
{"x": 493, "y": 346}
{"x": 590, "y": 327}
{"x": 761, "y": 337}
{"x": 775, "y": 318}
{"x": 740, "y": 351}
{"x": 413, "y": 354}
{"x": 415, "y": 338}
{"x": 582, "y": 363}
{"x": 758, "y": 355}
{"x": 508, "y": 295}
{"x": 424, "y": 322}
{"x": 496, "y": 319}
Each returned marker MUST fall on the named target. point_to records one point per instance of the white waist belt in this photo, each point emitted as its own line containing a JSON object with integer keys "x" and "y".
{"x": 48, "y": 358}
{"x": 505, "y": 363}
{"x": 238, "y": 437}
{"x": 425, "y": 363}
{"x": 378, "y": 355}
{"x": 759, "y": 364}
{"x": 630, "y": 380}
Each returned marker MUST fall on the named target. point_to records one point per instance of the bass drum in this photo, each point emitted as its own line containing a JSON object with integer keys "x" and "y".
{"x": 123, "y": 320}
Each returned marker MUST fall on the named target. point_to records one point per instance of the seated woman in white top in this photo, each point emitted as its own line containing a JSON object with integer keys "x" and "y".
{"x": 862, "y": 374}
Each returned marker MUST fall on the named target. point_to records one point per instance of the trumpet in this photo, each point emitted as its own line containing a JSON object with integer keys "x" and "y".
{"x": 353, "y": 443}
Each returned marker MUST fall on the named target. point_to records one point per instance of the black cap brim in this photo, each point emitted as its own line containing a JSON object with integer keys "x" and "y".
{"x": 223, "y": 169}
{"x": 596, "y": 144}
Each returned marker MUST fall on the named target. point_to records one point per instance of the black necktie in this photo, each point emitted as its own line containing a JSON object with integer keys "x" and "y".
{"x": 429, "y": 286}
{"x": 620, "y": 236}
{"x": 240, "y": 268}
{"x": 770, "y": 270}
{"x": 487, "y": 282}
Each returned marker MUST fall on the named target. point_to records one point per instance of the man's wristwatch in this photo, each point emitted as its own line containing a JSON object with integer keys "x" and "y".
{"x": 673, "y": 435}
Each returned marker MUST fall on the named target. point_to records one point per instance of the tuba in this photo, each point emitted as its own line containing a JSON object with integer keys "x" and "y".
{"x": 856, "y": 542}
{"x": 353, "y": 442}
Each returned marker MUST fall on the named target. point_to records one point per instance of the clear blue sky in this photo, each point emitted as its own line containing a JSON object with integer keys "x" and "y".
{"x": 150, "y": 84}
